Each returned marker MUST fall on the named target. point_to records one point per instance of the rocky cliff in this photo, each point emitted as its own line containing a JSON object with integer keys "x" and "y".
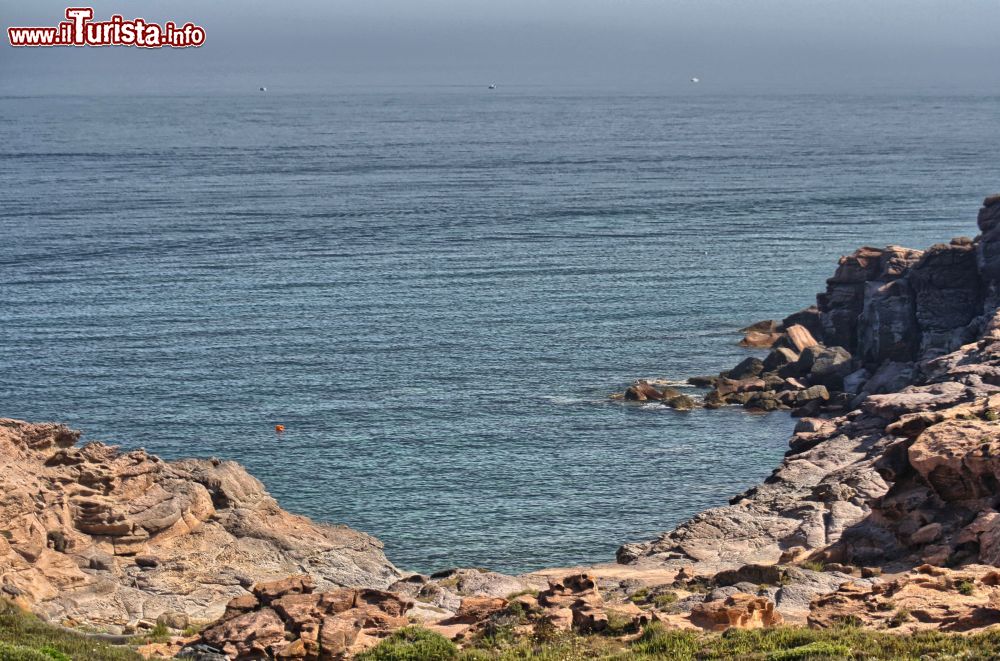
{"x": 896, "y": 460}
{"x": 110, "y": 538}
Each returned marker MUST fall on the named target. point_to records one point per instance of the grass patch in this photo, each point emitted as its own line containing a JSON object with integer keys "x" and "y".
{"x": 814, "y": 565}
{"x": 158, "y": 634}
{"x": 24, "y": 637}
{"x": 664, "y": 600}
{"x": 412, "y": 644}
{"x": 658, "y": 643}
{"x": 640, "y": 596}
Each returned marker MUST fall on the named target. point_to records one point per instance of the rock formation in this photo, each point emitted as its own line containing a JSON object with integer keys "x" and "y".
{"x": 896, "y": 373}
{"x": 117, "y": 539}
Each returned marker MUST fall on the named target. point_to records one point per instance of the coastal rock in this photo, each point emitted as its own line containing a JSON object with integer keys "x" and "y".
{"x": 107, "y": 537}
{"x": 800, "y": 337}
{"x": 739, "y": 611}
{"x": 914, "y": 418}
{"x": 748, "y": 368}
{"x": 935, "y": 598}
{"x": 290, "y": 621}
{"x": 642, "y": 391}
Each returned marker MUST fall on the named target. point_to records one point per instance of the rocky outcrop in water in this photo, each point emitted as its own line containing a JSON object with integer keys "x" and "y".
{"x": 118, "y": 539}
{"x": 895, "y": 463}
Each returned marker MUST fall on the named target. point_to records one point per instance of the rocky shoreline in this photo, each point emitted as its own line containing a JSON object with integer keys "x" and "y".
{"x": 885, "y": 511}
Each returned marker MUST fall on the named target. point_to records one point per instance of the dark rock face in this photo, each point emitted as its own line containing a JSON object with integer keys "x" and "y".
{"x": 897, "y": 457}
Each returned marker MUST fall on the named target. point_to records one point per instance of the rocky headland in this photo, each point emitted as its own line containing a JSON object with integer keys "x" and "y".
{"x": 884, "y": 513}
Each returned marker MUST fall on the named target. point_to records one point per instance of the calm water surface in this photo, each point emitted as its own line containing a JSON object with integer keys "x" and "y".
{"x": 435, "y": 290}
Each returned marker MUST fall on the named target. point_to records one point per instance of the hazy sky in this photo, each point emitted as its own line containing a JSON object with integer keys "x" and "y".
{"x": 651, "y": 45}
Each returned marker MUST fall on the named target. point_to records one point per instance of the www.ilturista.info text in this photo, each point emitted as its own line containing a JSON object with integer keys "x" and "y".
{"x": 80, "y": 30}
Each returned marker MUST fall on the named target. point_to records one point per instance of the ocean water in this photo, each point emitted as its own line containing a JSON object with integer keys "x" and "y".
{"x": 436, "y": 289}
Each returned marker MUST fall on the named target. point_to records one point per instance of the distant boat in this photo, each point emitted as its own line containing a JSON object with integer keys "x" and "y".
{"x": 263, "y": 89}
{"x": 493, "y": 86}
{"x": 696, "y": 80}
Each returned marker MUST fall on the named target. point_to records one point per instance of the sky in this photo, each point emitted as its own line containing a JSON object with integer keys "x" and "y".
{"x": 647, "y": 45}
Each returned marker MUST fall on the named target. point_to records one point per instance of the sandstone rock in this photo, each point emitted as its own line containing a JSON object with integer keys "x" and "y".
{"x": 81, "y": 519}
{"x": 801, "y": 338}
{"x": 741, "y": 611}
{"x": 959, "y": 459}
{"x": 730, "y": 386}
{"x": 477, "y": 609}
{"x": 758, "y": 340}
{"x": 926, "y": 599}
{"x": 173, "y": 620}
{"x": 269, "y": 591}
{"x": 258, "y": 633}
{"x": 812, "y": 393}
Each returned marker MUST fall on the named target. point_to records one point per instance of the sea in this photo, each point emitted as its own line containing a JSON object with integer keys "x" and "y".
{"x": 435, "y": 290}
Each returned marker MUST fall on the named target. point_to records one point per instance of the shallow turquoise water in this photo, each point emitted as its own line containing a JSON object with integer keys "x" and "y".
{"x": 434, "y": 290}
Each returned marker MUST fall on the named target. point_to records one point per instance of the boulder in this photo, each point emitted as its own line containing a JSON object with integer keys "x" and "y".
{"x": 959, "y": 459}
{"x": 730, "y": 386}
{"x": 812, "y": 393}
{"x": 827, "y": 366}
{"x": 740, "y": 611}
{"x": 809, "y": 318}
{"x": 642, "y": 391}
{"x": 257, "y": 633}
{"x": 757, "y": 340}
{"x": 800, "y": 337}
{"x": 681, "y": 403}
{"x": 747, "y": 368}
{"x": 779, "y": 358}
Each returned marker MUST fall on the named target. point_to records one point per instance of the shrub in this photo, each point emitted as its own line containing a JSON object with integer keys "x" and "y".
{"x": 664, "y": 600}
{"x": 819, "y": 649}
{"x": 658, "y": 641}
{"x": 640, "y": 596}
{"x": 965, "y": 587}
{"x": 411, "y": 644}
{"x": 24, "y": 637}
{"x": 901, "y": 616}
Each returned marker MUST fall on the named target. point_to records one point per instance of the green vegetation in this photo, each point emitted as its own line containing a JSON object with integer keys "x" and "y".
{"x": 664, "y": 600}
{"x": 412, "y": 644}
{"x": 640, "y": 596}
{"x": 966, "y": 587}
{"x": 814, "y": 565}
{"x": 659, "y": 643}
{"x": 24, "y": 637}
{"x": 158, "y": 634}
{"x": 900, "y": 617}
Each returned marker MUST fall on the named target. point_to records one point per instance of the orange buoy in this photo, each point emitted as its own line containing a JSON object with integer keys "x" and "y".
{"x": 279, "y": 428}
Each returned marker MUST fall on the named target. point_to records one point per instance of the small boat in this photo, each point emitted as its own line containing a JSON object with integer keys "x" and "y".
{"x": 263, "y": 89}
{"x": 493, "y": 86}
{"x": 696, "y": 80}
